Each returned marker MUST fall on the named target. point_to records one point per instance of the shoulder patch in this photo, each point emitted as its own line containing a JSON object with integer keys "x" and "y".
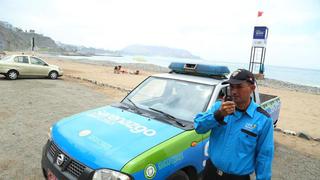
{"x": 264, "y": 112}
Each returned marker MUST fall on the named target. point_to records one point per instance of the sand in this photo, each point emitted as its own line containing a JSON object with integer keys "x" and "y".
{"x": 299, "y": 111}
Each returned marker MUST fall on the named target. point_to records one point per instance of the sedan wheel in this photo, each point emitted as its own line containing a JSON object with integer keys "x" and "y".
{"x": 53, "y": 75}
{"x": 12, "y": 75}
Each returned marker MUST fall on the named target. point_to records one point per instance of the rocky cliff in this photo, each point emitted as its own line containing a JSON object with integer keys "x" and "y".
{"x": 15, "y": 39}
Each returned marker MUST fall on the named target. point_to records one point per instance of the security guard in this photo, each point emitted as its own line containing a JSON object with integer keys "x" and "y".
{"x": 241, "y": 139}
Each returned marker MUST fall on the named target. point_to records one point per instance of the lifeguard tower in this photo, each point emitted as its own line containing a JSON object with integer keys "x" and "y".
{"x": 258, "y": 51}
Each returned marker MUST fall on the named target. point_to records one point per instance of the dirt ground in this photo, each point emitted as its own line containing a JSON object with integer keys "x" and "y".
{"x": 29, "y": 106}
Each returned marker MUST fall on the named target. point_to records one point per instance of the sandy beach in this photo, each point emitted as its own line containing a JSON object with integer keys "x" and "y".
{"x": 299, "y": 110}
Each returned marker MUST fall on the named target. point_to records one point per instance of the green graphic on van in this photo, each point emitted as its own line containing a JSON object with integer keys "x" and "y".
{"x": 171, "y": 161}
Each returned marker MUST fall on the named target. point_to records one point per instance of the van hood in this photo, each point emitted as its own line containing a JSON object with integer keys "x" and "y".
{"x": 109, "y": 137}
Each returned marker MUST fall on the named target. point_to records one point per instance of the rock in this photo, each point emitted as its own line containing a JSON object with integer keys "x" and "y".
{"x": 304, "y": 136}
{"x": 316, "y": 139}
{"x": 290, "y": 132}
{"x": 278, "y": 129}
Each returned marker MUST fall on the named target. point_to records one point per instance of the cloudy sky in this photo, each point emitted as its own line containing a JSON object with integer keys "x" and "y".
{"x": 213, "y": 29}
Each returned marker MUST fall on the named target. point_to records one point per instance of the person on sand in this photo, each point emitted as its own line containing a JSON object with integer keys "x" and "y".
{"x": 135, "y": 72}
{"x": 120, "y": 70}
{"x": 241, "y": 138}
{"x": 115, "y": 70}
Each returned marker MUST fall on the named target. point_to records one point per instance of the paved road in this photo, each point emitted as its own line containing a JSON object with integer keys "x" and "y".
{"x": 29, "y": 106}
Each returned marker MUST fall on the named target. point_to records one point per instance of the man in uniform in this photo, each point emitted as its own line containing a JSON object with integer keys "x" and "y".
{"x": 241, "y": 139}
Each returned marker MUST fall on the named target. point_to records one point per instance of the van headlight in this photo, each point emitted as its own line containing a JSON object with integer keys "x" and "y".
{"x": 107, "y": 174}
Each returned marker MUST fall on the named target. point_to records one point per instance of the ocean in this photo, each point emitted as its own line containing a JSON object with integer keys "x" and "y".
{"x": 301, "y": 76}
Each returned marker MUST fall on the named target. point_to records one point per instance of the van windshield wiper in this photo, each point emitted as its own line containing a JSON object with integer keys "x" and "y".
{"x": 169, "y": 116}
{"x": 134, "y": 105}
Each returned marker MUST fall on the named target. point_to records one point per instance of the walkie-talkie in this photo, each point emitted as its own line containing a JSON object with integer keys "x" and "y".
{"x": 228, "y": 97}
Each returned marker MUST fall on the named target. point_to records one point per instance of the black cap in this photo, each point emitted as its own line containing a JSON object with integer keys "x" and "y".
{"x": 239, "y": 76}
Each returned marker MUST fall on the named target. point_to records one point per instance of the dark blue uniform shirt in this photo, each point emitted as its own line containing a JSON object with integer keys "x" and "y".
{"x": 244, "y": 144}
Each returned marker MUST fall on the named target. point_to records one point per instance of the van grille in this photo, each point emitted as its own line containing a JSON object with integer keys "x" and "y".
{"x": 74, "y": 168}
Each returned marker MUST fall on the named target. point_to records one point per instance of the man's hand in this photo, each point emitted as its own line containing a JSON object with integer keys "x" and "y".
{"x": 227, "y": 107}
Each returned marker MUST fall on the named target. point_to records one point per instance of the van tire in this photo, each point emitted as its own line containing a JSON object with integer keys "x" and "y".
{"x": 179, "y": 175}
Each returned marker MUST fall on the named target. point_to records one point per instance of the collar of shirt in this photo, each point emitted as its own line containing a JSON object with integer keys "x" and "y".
{"x": 249, "y": 111}
{"x": 251, "y": 108}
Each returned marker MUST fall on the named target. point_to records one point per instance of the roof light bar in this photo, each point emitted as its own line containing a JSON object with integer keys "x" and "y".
{"x": 199, "y": 69}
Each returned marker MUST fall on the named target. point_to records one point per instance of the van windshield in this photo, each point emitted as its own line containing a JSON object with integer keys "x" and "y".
{"x": 180, "y": 99}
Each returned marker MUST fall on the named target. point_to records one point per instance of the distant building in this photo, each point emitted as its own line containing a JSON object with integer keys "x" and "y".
{"x": 32, "y": 31}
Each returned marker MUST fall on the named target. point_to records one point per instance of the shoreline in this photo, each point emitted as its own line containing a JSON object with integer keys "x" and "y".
{"x": 267, "y": 82}
{"x": 153, "y": 68}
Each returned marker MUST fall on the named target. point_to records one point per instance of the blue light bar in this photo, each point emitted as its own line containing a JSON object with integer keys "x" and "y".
{"x": 199, "y": 69}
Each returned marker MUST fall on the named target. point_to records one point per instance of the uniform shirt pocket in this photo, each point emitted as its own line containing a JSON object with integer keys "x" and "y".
{"x": 247, "y": 142}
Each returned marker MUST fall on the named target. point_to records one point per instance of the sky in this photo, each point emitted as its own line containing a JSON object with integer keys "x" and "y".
{"x": 212, "y": 29}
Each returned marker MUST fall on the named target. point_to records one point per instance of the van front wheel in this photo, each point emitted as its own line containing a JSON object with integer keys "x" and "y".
{"x": 179, "y": 175}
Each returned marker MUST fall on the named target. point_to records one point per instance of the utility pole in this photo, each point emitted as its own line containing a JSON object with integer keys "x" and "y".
{"x": 32, "y": 44}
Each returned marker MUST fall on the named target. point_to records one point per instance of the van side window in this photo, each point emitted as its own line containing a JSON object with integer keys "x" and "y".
{"x": 222, "y": 93}
{"x": 21, "y": 59}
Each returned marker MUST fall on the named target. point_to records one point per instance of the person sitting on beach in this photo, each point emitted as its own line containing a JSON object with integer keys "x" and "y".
{"x": 116, "y": 70}
{"x": 120, "y": 70}
{"x": 135, "y": 72}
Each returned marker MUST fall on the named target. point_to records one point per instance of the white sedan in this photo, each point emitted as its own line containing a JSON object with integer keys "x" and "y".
{"x": 15, "y": 66}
